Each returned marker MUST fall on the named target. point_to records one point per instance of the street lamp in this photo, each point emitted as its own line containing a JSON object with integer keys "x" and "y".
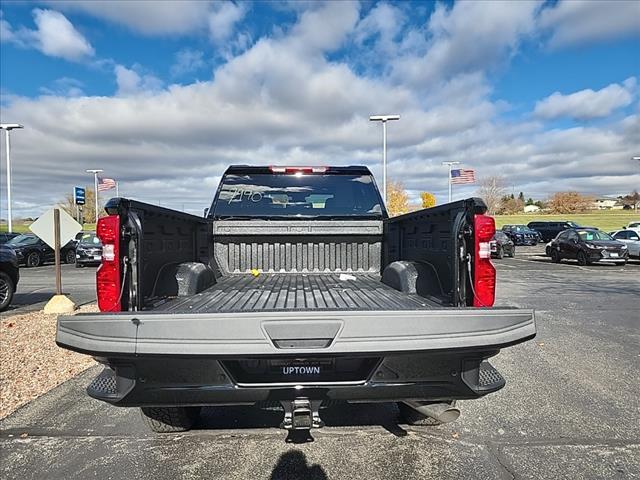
{"x": 384, "y": 119}
{"x": 95, "y": 186}
{"x": 8, "y": 127}
{"x": 450, "y": 164}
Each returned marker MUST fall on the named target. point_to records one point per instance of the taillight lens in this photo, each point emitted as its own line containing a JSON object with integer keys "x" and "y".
{"x": 108, "y": 282}
{"x": 484, "y": 277}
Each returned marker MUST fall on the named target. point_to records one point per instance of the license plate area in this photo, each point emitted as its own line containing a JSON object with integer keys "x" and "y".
{"x": 301, "y": 370}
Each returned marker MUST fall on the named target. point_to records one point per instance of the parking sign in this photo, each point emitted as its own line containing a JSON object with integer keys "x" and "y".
{"x": 78, "y": 195}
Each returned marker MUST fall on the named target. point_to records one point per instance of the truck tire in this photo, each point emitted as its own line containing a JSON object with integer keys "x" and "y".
{"x": 170, "y": 419}
{"x": 411, "y": 417}
{"x": 7, "y": 289}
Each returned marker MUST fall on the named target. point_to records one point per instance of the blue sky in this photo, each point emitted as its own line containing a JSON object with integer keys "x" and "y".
{"x": 542, "y": 93}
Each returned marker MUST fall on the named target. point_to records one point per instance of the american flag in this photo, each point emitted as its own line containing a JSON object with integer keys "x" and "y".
{"x": 463, "y": 175}
{"x": 105, "y": 184}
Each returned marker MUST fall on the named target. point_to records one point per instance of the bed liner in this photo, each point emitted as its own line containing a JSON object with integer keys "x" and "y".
{"x": 287, "y": 291}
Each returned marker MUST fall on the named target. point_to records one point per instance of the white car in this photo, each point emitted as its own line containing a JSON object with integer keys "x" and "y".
{"x": 635, "y": 226}
{"x": 631, "y": 237}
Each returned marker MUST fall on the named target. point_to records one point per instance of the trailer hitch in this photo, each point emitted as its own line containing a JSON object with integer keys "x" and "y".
{"x": 301, "y": 414}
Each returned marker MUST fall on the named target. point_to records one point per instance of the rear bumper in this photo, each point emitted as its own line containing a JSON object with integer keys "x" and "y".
{"x": 164, "y": 359}
{"x": 205, "y": 381}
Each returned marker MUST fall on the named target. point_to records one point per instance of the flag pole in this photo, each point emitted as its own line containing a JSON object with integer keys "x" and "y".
{"x": 450, "y": 164}
{"x": 117, "y": 190}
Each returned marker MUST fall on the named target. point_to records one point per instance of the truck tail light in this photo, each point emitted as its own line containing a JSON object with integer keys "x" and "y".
{"x": 108, "y": 281}
{"x": 297, "y": 170}
{"x": 484, "y": 278}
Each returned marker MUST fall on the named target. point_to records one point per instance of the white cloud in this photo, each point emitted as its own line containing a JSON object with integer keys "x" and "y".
{"x": 187, "y": 61}
{"x": 223, "y": 18}
{"x": 577, "y": 22}
{"x": 65, "y": 87}
{"x": 587, "y": 104}
{"x": 465, "y": 38}
{"x": 167, "y": 17}
{"x": 284, "y": 101}
{"x": 6, "y": 32}
{"x": 131, "y": 81}
{"x": 54, "y": 36}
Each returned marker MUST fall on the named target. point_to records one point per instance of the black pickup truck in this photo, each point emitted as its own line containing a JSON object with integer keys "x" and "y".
{"x": 297, "y": 289}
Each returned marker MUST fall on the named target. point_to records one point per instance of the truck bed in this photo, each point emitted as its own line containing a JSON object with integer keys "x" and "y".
{"x": 280, "y": 292}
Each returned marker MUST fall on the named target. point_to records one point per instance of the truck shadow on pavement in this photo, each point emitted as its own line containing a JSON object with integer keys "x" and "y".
{"x": 340, "y": 414}
{"x": 293, "y": 465}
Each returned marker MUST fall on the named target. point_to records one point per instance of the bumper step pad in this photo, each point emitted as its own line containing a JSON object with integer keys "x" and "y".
{"x": 105, "y": 384}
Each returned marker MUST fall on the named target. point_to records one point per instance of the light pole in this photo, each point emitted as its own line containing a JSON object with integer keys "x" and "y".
{"x": 95, "y": 186}
{"x": 384, "y": 119}
{"x": 450, "y": 164}
{"x": 8, "y": 127}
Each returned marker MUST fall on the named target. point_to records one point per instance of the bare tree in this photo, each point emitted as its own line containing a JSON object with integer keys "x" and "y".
{"x": 569, "y": 202}
{"x": 632, "y": 199}
{"x": 88, "y": 209}
{"x": 492, "y": 191}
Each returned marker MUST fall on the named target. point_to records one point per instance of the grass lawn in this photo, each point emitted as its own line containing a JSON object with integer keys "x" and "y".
{"x": 20, "y": 227}
{"x": 605, "y": 220}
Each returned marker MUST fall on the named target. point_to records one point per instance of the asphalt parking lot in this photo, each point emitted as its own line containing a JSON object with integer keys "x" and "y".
{"x": 570, "y": 409}
{"x": 37, "y": 286}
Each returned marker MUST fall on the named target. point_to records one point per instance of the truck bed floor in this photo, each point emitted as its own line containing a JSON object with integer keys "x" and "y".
{"x": 273, "y": 292}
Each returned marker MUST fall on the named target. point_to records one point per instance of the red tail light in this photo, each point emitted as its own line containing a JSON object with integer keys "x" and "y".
{"x": 484, "y": 278}
{"x": 108, "y": 282}
{"x": 298, "y": 170}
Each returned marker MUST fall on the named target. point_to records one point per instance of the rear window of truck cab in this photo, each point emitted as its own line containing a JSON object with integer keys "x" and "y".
{"x": 297, "y": 196}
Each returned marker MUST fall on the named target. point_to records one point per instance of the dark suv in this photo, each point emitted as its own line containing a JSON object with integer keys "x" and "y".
{"x": 9, "y": 276}
{"x": 587, "y": 245}
{"x": 521, "y": 234}
{"x": 32, "y": 251}
{"x": 549, "y": 230}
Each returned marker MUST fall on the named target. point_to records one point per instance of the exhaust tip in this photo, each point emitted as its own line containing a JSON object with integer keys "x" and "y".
{"x": 442, "y": 412}
{"x": 449, "y": 415}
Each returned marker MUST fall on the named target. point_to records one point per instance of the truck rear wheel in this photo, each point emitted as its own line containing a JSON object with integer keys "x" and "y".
{"x": 170, "y": 419}
{"x": 411, "y": 417}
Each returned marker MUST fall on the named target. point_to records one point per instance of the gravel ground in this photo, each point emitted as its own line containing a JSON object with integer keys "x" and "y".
{"x": 31, "y": 363}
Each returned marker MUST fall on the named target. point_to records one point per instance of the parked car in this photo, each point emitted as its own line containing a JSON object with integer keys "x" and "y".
{"x": 587, "y": 245}
{"x": 88, "y": 250}
{"x": 9, "y": 276}
{"x": 297, "y": 287}
{"x": 521, "y": 234}
{"x": 501, "y": 245}
{"x": 549, "y": 230}
{"x": 631, "y": 238}
{"x": 635, "y": 225}
{"x": 6, "y": 236}
{"x": 32, "y": 251}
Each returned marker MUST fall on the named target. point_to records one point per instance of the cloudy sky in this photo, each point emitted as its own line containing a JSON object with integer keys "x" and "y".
{"x": 163, "y": 96}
